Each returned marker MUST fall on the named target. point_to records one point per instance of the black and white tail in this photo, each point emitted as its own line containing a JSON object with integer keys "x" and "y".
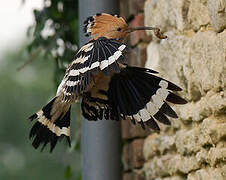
{"x": 53, "y": 123}
{"x": 139, "y": 94}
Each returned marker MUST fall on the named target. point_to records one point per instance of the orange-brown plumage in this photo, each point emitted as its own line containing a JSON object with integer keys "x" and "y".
{"x": 112, "y": 27}
{"x": 106, "y": 25}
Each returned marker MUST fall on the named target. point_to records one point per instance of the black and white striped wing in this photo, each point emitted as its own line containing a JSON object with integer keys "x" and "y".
{"x": 139, "y": 94}
{"x": 97, "y": 55}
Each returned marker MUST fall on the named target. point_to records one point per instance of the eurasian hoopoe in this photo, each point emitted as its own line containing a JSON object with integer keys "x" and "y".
{"x": 108, "y": 86}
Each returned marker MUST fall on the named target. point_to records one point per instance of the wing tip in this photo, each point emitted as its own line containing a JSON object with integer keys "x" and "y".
{"x": 173, "y": 98}
{"x": 153, "y": 125}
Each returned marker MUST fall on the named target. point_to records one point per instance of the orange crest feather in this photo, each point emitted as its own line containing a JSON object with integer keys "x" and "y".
{"x": 105, "y": 25}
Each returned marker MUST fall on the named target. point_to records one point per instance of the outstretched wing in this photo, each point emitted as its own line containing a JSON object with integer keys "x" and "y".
{"x": 97, "y": 55}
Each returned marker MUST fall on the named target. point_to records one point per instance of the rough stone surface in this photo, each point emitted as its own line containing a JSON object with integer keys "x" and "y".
{"x": 193, "y": 57}
{"x": 197, "y": 14}
{"x": 208, "y": 173}
{"x": 172, "y": 178}
{"x": 217, "y": 13}
{"x": 162, "y": 14}
{"x": 169, "y": 164}
{"x": 197, "y": 59}
{"x": 211, "y": 103}
{"x": 156, "y": 144}
{"x": 179, "y": 14}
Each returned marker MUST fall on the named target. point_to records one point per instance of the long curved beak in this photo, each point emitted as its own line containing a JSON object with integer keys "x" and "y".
{"x": 157, "y": 31}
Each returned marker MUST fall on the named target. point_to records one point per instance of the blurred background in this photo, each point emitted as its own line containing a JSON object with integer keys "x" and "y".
{"x": 38, "y": 39}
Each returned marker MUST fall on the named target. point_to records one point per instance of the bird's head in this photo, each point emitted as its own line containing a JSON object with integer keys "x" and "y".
{"x": 112, "y": 26}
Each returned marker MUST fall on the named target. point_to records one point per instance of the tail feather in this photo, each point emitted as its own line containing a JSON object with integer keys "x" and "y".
{"x": 142, "y": 96}
{"x": 53, "y": 123}
{"x": 95, "y": 104}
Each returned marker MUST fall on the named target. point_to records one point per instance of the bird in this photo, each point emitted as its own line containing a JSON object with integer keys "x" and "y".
{"x": 109, "y": 88}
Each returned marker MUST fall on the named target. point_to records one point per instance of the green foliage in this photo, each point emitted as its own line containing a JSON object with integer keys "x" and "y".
{"x": 23, "y": 93}
{"x": 55, "y": 32}
{"x": 67, "y": 172}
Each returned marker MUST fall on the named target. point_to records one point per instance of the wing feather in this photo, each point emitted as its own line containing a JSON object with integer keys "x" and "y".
{"x": 97, "y": 55}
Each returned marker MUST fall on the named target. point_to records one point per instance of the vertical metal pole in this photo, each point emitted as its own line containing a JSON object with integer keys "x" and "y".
{"x": 101, "y": 140}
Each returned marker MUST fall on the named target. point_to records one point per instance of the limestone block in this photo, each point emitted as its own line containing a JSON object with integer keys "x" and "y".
{"x": 217, "y": 13}
{"x": 198, "y": 14}
{"x": 212, "y": 103}
{"x": 208, "y": 133}
{"x": 157, "y": 167}
{"x": 217, "y": 155}
{"x": 213, "y": 156}
{"x": 214, "y": 128}
{"x": 187, "y": 164}
{"x": 158, "y": 144}
{"x": 217, "y": 103}
{"x": 207, "y": 59}
{"x": 179, "y": 14}
{"x": 202, "y": 156}
{"x": 172, "y": 178}
{"x": 170, "y": 57}
{"x": 221, "y": 144}
{"x": 181, "y": 164}
{"x": 159, "y": 13}
{"x": 196, "y": 62}
{"x": 191, "y": 141}
{"x": 208, "y": 173}
{"x": 169, "y": 164}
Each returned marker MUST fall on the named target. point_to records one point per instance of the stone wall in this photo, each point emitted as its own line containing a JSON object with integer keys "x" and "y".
{"x": 193, "y": 57}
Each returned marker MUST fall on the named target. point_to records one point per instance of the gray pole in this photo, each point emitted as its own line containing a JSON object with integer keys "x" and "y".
{"x": 101, "y": 140}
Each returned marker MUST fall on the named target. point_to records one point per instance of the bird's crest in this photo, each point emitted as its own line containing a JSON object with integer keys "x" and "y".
{"x": 105, "y": 25}
{"x": 112, "y": 27}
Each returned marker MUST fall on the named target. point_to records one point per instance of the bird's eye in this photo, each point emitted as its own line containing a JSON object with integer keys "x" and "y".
{"x": 119, "y": 29}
